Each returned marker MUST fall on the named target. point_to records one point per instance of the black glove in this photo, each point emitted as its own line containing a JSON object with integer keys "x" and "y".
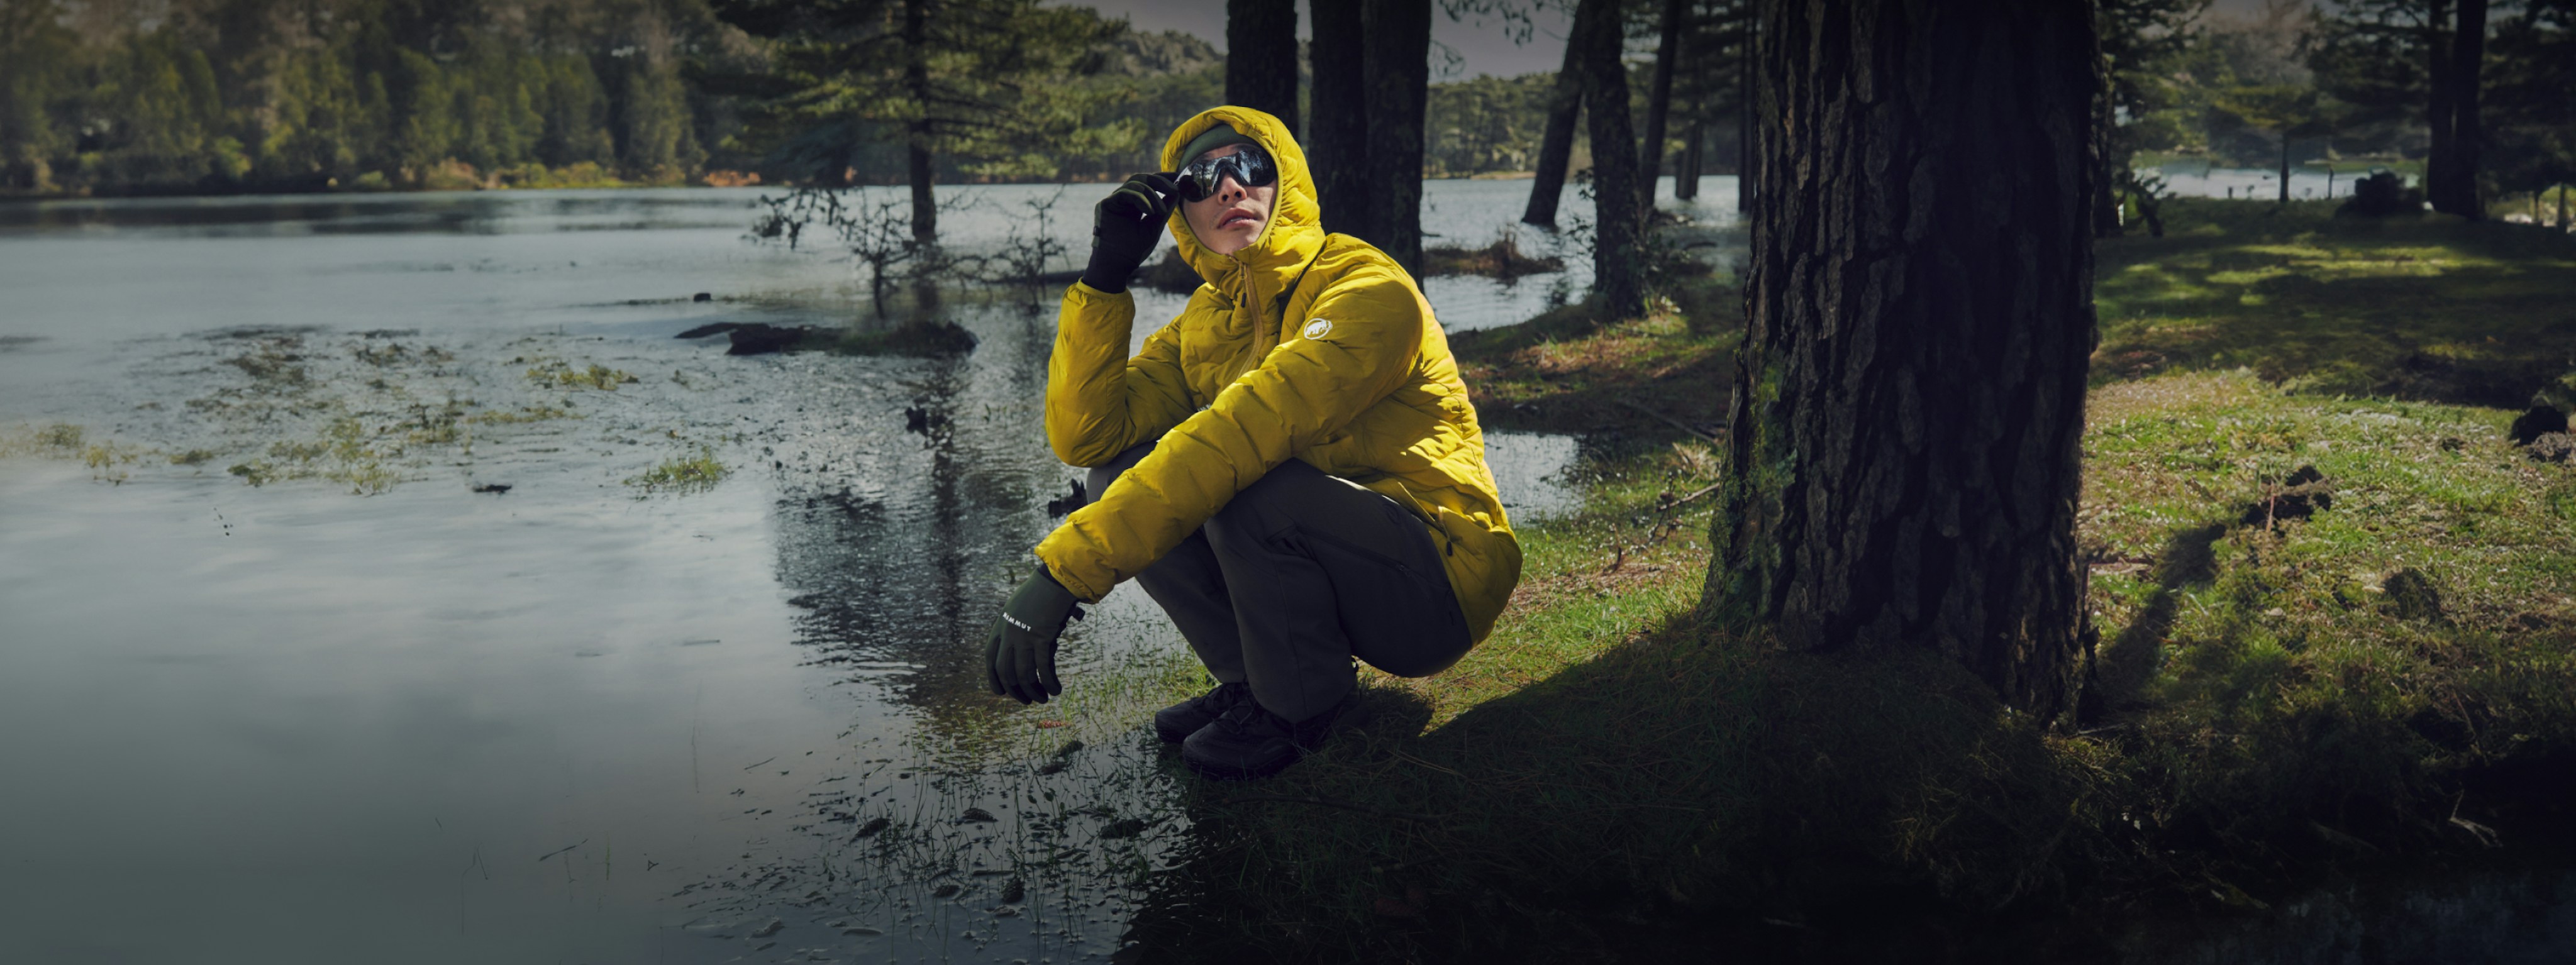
{"x": 1020, "y": 661}
{"x": 1125, "y": 228}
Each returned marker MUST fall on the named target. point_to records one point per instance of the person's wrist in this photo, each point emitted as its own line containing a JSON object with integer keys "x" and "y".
{"x": 1108, "y": 274}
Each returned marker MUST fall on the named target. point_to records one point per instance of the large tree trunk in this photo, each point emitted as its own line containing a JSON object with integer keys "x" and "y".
{"x": 1399, "y": 93}
{"x": 2285, "y": 166}
{"x": 2438, "y": 97}
{"x": 1556, "y": 144}
{"x": 2106, "y": 203}
{"x": 2457, "y": 191}
{"x": 1686, "y": 178}
{"x": 1903, "y": 460}
{"x": 1261, "y": 57}
{"x": 1337, "y": 138}
{"x": 1747, "y": 110}
{"x": 1618, "y": 274}
{"x": 916, "y": 82}
{"x": 1659, "y": 100}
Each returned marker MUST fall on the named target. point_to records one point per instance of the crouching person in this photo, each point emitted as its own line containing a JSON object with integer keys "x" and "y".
{"x": 1290, "y": 468}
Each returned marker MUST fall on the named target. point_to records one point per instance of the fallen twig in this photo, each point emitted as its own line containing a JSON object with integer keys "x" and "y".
{"x": 1710, "y": 488}
{"x": 1676, "y": 423}
{"x": 1408, "y": 757}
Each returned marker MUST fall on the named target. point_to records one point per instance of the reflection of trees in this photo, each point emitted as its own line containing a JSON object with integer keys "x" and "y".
{"x": 900, "y": 535}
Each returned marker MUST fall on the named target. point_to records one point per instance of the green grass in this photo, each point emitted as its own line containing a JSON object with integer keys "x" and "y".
{"x": 1607, "y": 779}
{"x": 1568, "y": 371}
{"x": 690, "y": 474}
{"x": 600, "y": 377}
{"x": 2421, "y": 307}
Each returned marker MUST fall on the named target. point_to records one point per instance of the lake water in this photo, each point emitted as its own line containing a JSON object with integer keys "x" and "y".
{"x": 589, "y": 717}
{"x": 2307, "y": 182}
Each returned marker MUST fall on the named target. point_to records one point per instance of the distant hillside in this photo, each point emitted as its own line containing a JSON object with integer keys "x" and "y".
{"x": 1165, "y": 52}
{"x": 191, "y": 96}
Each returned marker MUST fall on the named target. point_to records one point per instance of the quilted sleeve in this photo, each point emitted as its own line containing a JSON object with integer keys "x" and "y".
{"x": 1095, "y": 407}
{"x": 1359, "y": 342}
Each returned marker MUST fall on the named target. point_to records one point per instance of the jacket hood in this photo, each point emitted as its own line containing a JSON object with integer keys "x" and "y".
{"x": 1263, "y": 271}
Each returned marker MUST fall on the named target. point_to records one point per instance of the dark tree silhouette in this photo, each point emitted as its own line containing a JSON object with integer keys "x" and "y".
{"x": 1261, "y": 57}
{"x": 1556, "y": 145}
{"x": 1337, "y": 132}
{"x": 1903, "y": 459}
{"x": 1399, "y": 93}
{"x": 2453, "y": 186}
{"x": 917, "y": 131}
{"x": 1372, "y": 87}
{"x": 2138, "y": 36}
{"x": 1659, "y": 97}
{"x": 1618, "y": 275}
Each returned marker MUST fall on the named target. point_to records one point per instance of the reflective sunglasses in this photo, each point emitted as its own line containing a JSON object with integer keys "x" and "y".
{"x": 1249, "y": 167}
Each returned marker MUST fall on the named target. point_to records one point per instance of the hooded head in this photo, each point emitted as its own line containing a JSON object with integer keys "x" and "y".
{"x": 1294, "y": 232}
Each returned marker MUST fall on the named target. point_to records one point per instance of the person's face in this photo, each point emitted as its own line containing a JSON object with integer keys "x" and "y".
{"x": 1231, "y": 218}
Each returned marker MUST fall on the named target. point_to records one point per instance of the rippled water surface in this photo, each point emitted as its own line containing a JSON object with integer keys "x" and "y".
{"x": 362, "y": 712}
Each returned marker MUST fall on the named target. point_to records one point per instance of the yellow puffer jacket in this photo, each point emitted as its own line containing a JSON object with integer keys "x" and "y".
{"x": 1302, "y": 346}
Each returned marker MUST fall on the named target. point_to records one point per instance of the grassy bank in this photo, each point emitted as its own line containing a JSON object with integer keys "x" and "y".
{"x": 2382, "y": 678}
{"x": 2427, "y": 307}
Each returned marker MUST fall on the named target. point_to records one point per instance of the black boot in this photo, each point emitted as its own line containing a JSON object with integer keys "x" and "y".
{"x": 1248, "y": 742}
{"x": 1177, "y": 722}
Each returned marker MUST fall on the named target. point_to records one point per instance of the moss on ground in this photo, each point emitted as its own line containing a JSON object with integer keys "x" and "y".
{"x": 2388, "y": 679}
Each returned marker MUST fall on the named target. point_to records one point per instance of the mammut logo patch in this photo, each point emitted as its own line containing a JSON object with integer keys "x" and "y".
{"x": 1318, "y": 328}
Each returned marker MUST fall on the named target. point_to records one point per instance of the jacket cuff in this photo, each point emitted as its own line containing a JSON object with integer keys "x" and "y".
{"x": 1084, "y": 290}
{"x": 1062, "y": 575}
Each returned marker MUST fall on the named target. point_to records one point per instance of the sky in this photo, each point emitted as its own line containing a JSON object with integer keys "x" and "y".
{"x": 1483, "y": 46}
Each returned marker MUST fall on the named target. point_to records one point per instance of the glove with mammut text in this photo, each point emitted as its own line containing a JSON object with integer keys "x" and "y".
{"x": 1020, "y": 659}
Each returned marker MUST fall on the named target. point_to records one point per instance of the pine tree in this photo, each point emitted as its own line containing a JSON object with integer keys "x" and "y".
{"x": 992, "y": 86}
{"x": 38, "y": 79}
{"x": 1904, "y": 467}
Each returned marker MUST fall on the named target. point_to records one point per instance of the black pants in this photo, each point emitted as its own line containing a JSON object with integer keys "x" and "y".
{"x": 1299, "y": 573}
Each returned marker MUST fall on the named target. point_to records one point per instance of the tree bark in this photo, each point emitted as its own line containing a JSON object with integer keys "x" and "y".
{"x": 1686, "y": 178}
{"x": 1659, "y": 100}
{"x": 1556, "y": 144}
{"x": 917, "y": 133}
{"x": 1903, "y": 459}
{"x": 2438, "y": 98}
{"x": 1261, "y": 57}
{"x": 1618, "y": 274}
{"x": 1399, "y": 94}
{"x": 2285, "y": 165}
{"x": 2458, "y": 191}
{"x": 2106, "y": 202}
{"x": 1337, "y": 138}
{"x": 1745, "y": 113}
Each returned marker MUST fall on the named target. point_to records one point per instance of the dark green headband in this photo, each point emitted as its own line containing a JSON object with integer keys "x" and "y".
{"x": 1211, "y": 139}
